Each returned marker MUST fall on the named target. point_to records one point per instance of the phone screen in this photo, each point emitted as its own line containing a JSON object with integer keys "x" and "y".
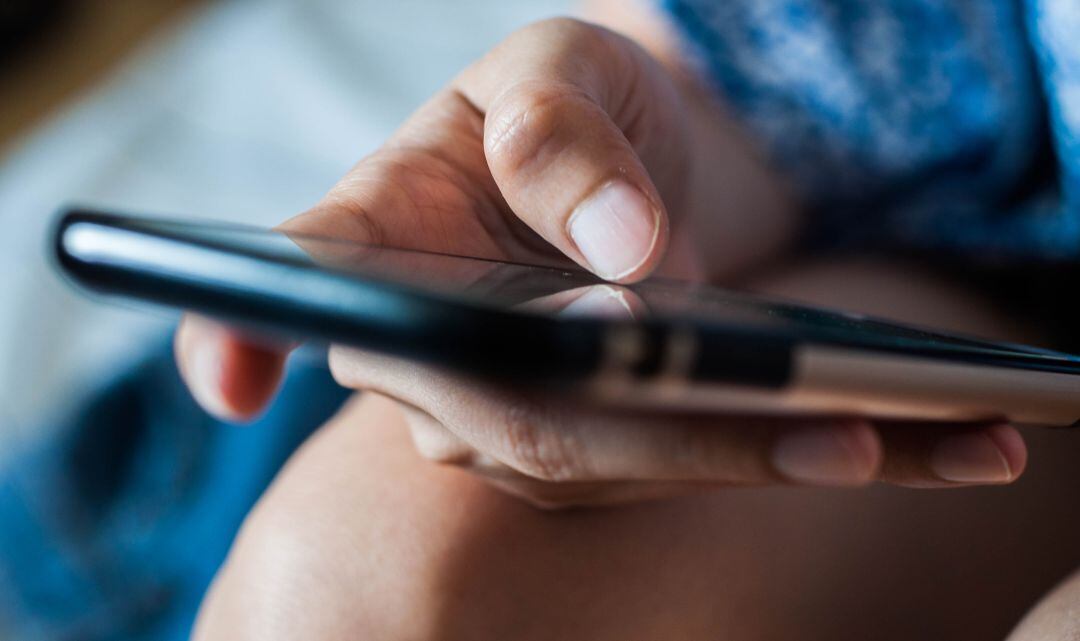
{"x": 563, "y": 290}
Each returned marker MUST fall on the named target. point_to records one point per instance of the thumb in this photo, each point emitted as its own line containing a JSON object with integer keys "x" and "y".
{"x": 571, "y": 110}
{"x": 575, "y": 120}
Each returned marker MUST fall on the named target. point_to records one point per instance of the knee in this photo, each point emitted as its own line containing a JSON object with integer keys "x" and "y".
{"x": 1055, "y": 618}
{"x": 277, "y": 583}
{"x": 334, "y": 549}
{"x": 361, "y": 538}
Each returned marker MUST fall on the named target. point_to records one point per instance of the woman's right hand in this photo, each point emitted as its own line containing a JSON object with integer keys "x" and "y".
{"x": 568, "y": 142}
{"x": 564, "y": 142}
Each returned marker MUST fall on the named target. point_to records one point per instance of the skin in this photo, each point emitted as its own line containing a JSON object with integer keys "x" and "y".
{"x": 360, "y": 537}
{"x": 500, "y": 165}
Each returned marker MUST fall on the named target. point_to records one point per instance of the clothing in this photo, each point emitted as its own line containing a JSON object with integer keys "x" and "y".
{"x": 944, "y": 125}
{"x": 115, "y": 529}
{"x": 929, "y": 124}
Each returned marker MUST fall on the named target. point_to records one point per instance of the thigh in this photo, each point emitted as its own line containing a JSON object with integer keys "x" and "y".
{"x": 974, "y": 559}
{"x": 359, "y": 537}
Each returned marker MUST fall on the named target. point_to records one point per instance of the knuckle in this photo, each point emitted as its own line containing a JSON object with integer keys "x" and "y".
{"x": 344, "y": 367}
{"x": 539, "y": 443}
{"x": 351, "y": 213}
{"x": 434, "y": 442}
{"x": 529, "y": 125}
{"x": 439, "y": 451}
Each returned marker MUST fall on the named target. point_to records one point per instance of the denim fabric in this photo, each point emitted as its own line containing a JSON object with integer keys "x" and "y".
{"x": 114, "y": 529}
{"x": 944, "y": 125}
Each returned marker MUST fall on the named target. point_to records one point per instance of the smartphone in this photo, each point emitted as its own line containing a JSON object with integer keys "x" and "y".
{"x": 657, "y": 344}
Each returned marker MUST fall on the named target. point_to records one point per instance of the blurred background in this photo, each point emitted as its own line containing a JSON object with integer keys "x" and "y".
{"x": 233, "y": 110}
{"x": 115, "y": 511}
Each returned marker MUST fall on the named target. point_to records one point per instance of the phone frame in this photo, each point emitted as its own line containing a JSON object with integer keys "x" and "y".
{"x": 689, "y": 364}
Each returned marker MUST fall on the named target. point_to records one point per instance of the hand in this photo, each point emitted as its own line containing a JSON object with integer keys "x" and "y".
{"x": 358, "y": 538}
{"x": 565, "y": 143}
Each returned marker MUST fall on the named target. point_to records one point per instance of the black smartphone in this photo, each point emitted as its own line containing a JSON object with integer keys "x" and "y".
{"x": 654, "y": 344}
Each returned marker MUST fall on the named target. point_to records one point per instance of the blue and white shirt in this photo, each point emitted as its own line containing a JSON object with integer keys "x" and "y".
{"x": 920, "y": 124}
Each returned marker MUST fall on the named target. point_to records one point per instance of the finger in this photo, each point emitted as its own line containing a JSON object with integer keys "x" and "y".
{"x": 561, "y": 126}
{"x": 548, "y": 142}
{"x": 932, "y": 456}
{"x": 231, "y": 376}
{"x": 435, "y": 442}
{"x": 429, "y": 189}
{"x": 571, "y": 110}
{"x": 553, "y": 439}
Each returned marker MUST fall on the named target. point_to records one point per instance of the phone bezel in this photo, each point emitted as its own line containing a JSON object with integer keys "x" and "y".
{"x": 273, "y": 293}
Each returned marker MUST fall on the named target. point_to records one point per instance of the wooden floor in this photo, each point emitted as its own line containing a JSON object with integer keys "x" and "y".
{"x": 87, "y": 40}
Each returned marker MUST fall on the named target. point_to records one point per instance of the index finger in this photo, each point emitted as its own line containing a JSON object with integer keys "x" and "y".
{"x": 231, "y": 375}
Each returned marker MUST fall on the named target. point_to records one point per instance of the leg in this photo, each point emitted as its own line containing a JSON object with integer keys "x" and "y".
{"x": 359, "y": 538}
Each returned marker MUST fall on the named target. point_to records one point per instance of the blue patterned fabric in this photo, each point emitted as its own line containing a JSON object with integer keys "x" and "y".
{"x": 945, "y": 125}
{"x": 114, "y": 529}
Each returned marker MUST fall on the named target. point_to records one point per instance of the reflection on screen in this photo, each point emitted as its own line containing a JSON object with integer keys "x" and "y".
{"x": 568, "y": 291}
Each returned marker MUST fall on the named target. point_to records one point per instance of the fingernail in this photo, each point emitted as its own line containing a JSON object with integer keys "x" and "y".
{"x": 842, "y": 455}
{"x": 602, "y": 301}
{"x": 970, "y": 458}
{"x": 615, "y": 230}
